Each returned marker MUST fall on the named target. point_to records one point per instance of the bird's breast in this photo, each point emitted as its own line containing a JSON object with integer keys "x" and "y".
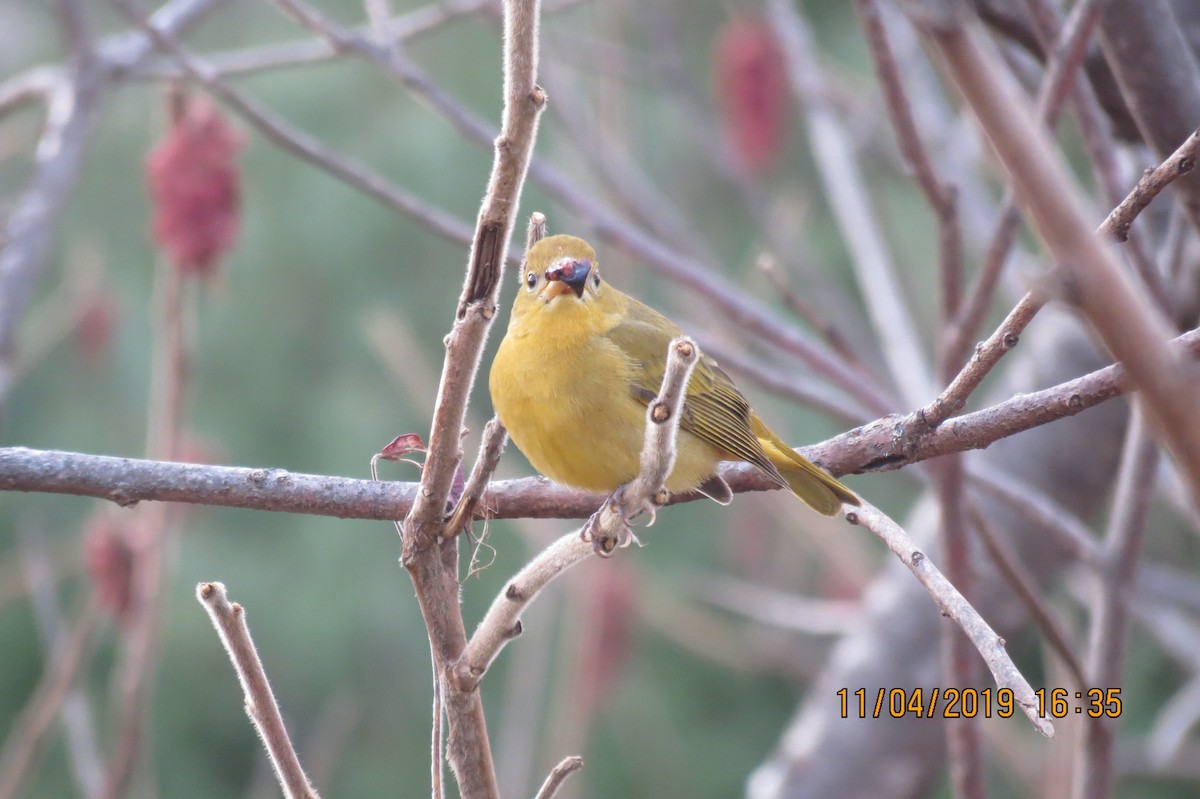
{"x": 566, "y": 403}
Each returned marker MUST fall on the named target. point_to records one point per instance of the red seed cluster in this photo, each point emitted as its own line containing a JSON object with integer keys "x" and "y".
{"x": 751, "y": 89}
{"x": 195, "y": 186}
{"x": 108, "y": 560}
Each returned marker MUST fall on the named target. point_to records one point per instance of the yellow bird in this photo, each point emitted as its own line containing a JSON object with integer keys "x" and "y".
{"x": 578, "y": 366}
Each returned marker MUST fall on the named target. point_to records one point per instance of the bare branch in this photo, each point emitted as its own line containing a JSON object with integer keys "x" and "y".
{"x": 229, "y": 619}
{"x": 495, "y": 437}
{"x": 987, "y": 354}
{"x": 959, "y": 668}
{"x": 954, "y": 605}
{"x": 1063, "y": 64}
{"x": 28, "y": 731}
{"x": 1110, "y": 616}
{"x": 559, "y": 775}
{"x": 1025, "y": 587}
{"x": 502, "y": 622}
{"x": 523, "y": 103}
{"x": 1181, "y": 162}
{"x": 941, "y": 196}
{"x": 1118, "y": 308}
{"x": 881, "y": 445}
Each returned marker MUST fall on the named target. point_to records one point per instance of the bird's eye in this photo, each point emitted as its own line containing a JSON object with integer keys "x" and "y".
{"x": 596, "y": 279}
{"x": 531, "y": 280}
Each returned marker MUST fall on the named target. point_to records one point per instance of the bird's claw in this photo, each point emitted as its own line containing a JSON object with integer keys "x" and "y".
{"x": 606, "y": 534}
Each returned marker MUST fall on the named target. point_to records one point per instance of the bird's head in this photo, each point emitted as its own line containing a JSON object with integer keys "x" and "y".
{"x": 560, "y": 273}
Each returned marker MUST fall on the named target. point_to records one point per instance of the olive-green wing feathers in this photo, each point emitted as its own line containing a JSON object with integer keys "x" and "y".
{"x": 714, "y": 410}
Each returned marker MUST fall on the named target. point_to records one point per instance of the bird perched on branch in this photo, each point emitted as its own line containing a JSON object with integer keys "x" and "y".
{"x": 578, "y": 366}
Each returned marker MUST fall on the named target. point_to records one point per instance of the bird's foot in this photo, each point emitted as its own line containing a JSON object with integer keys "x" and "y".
{"x": 611, "y": 526}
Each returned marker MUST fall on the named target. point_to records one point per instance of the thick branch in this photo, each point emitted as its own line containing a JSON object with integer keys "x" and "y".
{"x": 882, "y": 445}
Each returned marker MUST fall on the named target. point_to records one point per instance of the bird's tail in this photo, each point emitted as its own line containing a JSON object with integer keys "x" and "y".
{"x": 819, "y": 490}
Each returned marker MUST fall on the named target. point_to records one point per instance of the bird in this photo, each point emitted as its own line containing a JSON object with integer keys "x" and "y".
{"x": 578, "y": 366}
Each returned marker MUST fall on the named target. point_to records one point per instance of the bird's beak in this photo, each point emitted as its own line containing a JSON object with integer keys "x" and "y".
{"x": 569, "y": 273}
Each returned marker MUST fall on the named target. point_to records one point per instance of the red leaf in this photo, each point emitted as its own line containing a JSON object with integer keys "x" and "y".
{"x": 402, "y": 445}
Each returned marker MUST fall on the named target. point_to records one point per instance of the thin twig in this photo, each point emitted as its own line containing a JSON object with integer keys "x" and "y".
{"x": 495, "y": 437}
{"x": 1109, "y": 627}
{"x": 1063, "y": 64}
{"x": 229, "y": 619}
{"x": 1042, "y": 512}
{"x": 958, "y": 666}
{"x": 1152, "y": 182}
{"x": 28, "y": 731}
{"x": 941, "y": 196}
{"x": 953, "y": 604}
{"x": 1009, "y": 565}
{"x": 825, "y": 328}
{"x": 558, "y": 775}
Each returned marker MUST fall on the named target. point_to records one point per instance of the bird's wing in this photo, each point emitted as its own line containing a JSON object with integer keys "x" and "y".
{"x": 713, "y": 409}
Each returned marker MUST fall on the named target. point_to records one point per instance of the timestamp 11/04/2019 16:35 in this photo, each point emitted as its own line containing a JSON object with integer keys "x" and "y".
{"x": 952, "y": 703}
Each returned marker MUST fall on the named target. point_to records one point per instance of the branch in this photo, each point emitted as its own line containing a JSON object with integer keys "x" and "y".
{"x": 430, "y": 558}
{"x": 495, "y": 437}
{"x": 1062, "y": 66}
{"x": 954, "y": 605}
{"x": 1007, "y": 335}
{"x": 885, "y": 444}
{"x": 1118, "y": 308}
{"x": 942, "y": 197}
{"x": 1110, "y": 616}
{"x": 26, "y": 735}
{"x": 230, "y": 623}
{"x": 1023, "y": 584}
{"x": 523, "y": 103}
{"x": 1152, "y": 182}
{"x": 559, "y": 775}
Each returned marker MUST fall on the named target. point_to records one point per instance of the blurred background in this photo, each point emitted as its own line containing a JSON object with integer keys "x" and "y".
{"x": 315, "y": 338}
